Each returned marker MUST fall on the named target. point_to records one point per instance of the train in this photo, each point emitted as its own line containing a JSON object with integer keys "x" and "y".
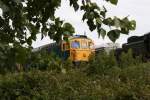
{"x": 140, "y": 46}
{"x": 77, "y": 48}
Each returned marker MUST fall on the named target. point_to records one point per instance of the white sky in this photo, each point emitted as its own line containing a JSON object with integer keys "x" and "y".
{"x": 138, "y": 10}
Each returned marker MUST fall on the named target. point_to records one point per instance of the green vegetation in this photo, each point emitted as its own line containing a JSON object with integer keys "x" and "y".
{"x": 40, "y": 76}
{"x": 38, "y": 16}
{"x": 100, "y": 79}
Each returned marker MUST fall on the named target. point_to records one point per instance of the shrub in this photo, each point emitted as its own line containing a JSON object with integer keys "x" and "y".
{"x": 101, "y": 63}
{"x": 45, "y": 61}
{"x": 127, "y": 59}
{"x": 11, "y": 57}
{"x": 130, "y": 83}
{"x": 45, "y": 85}
{"x": 50, "y": 78}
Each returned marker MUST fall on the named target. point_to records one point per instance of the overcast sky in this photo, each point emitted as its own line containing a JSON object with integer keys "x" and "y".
{"x": 138, "y": 10}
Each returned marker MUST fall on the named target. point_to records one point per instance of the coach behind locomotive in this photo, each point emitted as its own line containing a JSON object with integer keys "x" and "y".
{"x": 140, "y": 46}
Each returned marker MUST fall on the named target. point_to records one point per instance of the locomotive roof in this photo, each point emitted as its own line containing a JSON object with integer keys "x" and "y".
{"x": 44, "y": 46}
{"x": 54, "y": 44}
{"x": 79, "y": 36}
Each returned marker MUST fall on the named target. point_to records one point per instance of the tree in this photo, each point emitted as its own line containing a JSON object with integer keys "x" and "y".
{"x": 22, "y": 20}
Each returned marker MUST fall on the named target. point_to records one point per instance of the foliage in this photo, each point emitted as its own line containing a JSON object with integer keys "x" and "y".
{"x": 101, "y": 63}
{"x": 21, "y": 20}
{"x": 102, "y": 79}
{"x": 43, "y": 60}
{"x": 10, "y": 57}
{"x": 50, "y": 78}
{"x": 127, "y": 59}
{"x": 130, "y": 83}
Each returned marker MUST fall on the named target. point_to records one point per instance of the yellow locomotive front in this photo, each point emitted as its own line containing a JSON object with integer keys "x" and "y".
{"x": 79, "y": 47}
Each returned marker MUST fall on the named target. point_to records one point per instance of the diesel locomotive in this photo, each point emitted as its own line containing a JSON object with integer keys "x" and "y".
{"x": 77, "y": 48}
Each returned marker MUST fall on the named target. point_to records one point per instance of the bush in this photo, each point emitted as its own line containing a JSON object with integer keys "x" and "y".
{"x": 12, "y": 58}
{"x": 46, "y": 61}
{"x": 101, "y": 63}
{"x": 130, "y": 83}
{"x": 47, "y": 86}
{"x": 127, "y": 59}
{"x": 49, "y": 78}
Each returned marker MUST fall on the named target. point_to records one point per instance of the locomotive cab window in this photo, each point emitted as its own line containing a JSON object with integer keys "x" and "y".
{"x": 91, "y": 45}
{"x": 84, "y": 45}
{"x": 75, "y": 44}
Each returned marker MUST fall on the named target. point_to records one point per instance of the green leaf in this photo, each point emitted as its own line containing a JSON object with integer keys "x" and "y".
{"x": 132, "y": 25}
{"x": 91, "y": 25}
{"x": 103, "y": 13}
{"x": 108, "y": 21}
{"x": 113, "y": 34}
{"x": 98, "y": 20}
{"x": 65, "y": 39}
{"x": 124, "y": 30}
{"x": 68, "y": 27}
{"x": 117, "y": 22}
{"x": 75, "y": 5}
{"x": 114, "y": 2}
{"x": 91, "y": 15}
{"x": 102, "y": 32}
{"x": 84, "y": 16}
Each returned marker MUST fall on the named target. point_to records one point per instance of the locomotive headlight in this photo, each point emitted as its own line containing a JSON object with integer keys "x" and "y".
{"x": 84, "y": 55}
